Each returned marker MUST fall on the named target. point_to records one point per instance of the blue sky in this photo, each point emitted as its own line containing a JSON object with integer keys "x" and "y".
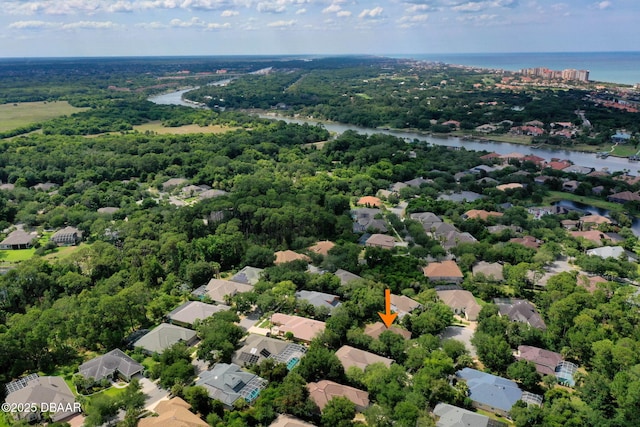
{"x": 31, "y": 28}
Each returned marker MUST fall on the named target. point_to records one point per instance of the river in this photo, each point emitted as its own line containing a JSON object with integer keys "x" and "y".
{"x": 611, "y": 164}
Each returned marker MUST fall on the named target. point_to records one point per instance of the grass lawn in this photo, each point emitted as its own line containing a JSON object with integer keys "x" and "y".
{"x": 555, "y": 196}
{"x": 624, "y": 150}
{"x": 180, "y": 130}
{"x": 16, "y": 256}
{"x": 4, "y": 419}
{"x": 23, "y": 113}
{"x": 266, "y": 323}
{"x": 494, "y": 417}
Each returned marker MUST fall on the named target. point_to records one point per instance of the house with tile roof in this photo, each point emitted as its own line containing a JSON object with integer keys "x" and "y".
{"x": 369, "y": 201}
{"x": 593, "y": 220}
{"x": 221, "y": 290}
{"x": 374, "y": 330}
{"x": 112, "y": 365}
{"x": 490, "y": 270}
{"x": 164, "y": 336}
{"x": 323, "y": 391}
{"x": 490, "y": 392}
{"x": 548, "y": 363}
{"x": 594, "y": 236}
{"x": 380, "y": 241}
{"x": 289, "y": 421}
{"x": 481, "y": 214}
{"x": 452, "y": 416}
{"x": 322, "y": 247}
{"x": 303, "y": 329}
{"x": 445, "y": 271}
{"x": 191, "y": 311}
{"x": 510, "y": 186}
{"x": 173, "y": 413}
{"x": 228, "y": 383}
{"x": 283, "y": 257}
{"x": 351, "y": 356}
{"x": 403, "y": 305}
{"x": 528, "y": 241}
{"x": 460, "y": 301}
{"x": 256, "y": 348}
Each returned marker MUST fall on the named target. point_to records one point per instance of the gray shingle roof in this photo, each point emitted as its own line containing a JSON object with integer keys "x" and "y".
{"x": 345, "y": 276}
{"x": 191, "y": 311}
{"x": 452, "y": 416}
{"x": 107, "y": 364}
{"x": 164, "y": 336}
{"x": 519, "y": 310}
{"x": 319, "y": 299}
{"x": 248, "y": 275}
{"x": 45, "y": 390}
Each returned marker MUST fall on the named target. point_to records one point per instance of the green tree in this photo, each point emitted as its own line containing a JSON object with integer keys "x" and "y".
{"x": 338, "y": 412}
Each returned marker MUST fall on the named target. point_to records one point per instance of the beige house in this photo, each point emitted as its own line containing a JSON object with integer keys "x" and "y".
{"x": 173, "y": 413}
{"x": 461, "y": 302}
{"x": 351, "y": 356}
{"x": 303, "y": 329}
{"x": 445, "y": 271}
{"x": 380, "y": 241}
{"x": 323, "y": 391}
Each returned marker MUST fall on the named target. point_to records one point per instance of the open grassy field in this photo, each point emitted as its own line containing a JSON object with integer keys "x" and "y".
{"x": 23, "y": 113}
{"x": 181, "y": 130}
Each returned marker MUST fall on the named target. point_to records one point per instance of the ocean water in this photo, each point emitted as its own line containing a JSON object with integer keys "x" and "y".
{"x": 613, "y": 67}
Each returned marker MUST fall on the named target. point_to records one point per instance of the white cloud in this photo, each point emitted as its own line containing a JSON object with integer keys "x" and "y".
{"x": 272, "y": 7}
{"x": 333, "y": 8}
{"x": 32, "y": 25}
{"x": 376, "y": 12}
{"x": 227, "y": 13}
{"x": 217, "y": 26}
{"x": 343, "y": 14}
{"x": 301, "y": 11}
{"x": 472, "y": 6}
{"x": 78, "y": 25}
{"x": 414, "y": 18}
{"x": 282, "y": 24}
{"x": 94, "y": 25}
{"x": 603, "y": 5}
{"x": 120, "y": 6}
{"x": 418, "y": 8}
{"x": 151, "y": 25}
{"x": 478, "y": 19}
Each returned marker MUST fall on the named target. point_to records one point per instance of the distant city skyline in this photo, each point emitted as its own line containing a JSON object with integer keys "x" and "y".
{"x": 36, "y": 28}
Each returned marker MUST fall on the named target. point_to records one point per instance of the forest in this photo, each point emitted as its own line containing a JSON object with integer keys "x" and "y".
{"x": 288, "y": 186}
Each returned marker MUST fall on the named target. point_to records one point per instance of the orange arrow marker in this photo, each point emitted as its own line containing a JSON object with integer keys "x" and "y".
{"x": 388, "y": 317}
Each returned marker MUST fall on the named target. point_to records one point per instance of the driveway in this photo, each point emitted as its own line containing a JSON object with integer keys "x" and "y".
{"x": 153, "y": 392}
{"x": 461, "y": 334}
{"x": 250, "y": 320}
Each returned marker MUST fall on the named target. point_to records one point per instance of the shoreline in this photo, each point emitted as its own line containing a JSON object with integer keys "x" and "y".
{"x": 461, "y": 135}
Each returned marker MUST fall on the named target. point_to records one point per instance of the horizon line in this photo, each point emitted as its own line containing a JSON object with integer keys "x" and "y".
{"x": 294, "y": 55}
